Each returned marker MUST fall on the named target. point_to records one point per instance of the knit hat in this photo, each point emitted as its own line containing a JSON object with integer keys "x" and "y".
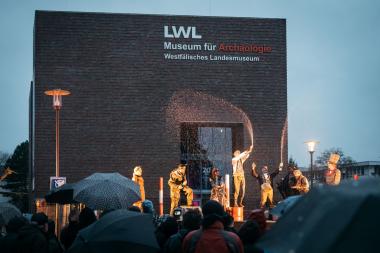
{"x": 147, "y": 206}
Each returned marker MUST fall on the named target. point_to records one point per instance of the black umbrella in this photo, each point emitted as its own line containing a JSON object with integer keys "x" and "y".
{"x": 61, "y": 195}
{"x": 118, "y": 231}
{"x": 106, "y": 191}
{"x": 330, "y": 219}
{"x": 7, "y": 212}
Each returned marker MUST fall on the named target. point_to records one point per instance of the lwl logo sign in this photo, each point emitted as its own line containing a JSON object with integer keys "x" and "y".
{"x": 181, "y": 31}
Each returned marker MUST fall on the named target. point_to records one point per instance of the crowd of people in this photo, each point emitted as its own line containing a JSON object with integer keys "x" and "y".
{"x": 210, "y": 230}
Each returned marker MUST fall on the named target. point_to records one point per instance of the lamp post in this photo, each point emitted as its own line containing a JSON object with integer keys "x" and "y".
{"x": 57, "y": 105}
{"x": 311, "y": 148}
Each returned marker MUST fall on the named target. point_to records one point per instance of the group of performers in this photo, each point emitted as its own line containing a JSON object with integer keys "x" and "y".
{"x": 294, "y": 183}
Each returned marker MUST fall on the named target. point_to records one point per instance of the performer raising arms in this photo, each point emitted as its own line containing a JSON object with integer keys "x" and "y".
{"x": 218, "y": 190}
{"x": 238, "y": 174}
{"x": 266, "y": 182}
{"x": 177, "y": 183}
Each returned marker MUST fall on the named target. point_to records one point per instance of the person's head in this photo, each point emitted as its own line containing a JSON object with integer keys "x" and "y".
{"x": 86, "y": 217}
{"x": 181, "y": 168}
{"x": 228, "y": 221}
{"x": 74, "y": 216}
{"x": 212, "y": 212}
{"x": 249, "y": 232}
{"x": 264, "y": 169}
{"x": 40, "y": 220}
{"x": 147, "y": 206}
{"x": 236, "y": 153}
{"x": 168, "y": 226}
{"x": 291, "y": 168}
{"x": 137, "y": 171}
{"x": 192, "y": 219}
{"x": 134, "y": 209}
{"x": 214, "y": 173}
{"x": 297, "y": 173}
{"x": 16, "y": 223}
{"x": 258, "y": 215}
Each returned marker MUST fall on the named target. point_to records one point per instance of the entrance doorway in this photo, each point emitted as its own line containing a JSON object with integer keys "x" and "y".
{"x": 208, "y": 145}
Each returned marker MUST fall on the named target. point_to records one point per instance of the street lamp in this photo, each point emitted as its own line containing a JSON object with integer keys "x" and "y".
{"x": 57, "y": 105}
{"x": 311, "y": 148}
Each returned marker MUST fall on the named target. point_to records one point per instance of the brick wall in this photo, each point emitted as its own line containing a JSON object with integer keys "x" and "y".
{"x": 121, "y": 86}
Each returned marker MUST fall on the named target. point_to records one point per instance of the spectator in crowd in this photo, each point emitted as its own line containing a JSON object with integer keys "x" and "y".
{"x": 70, "y": 231}
{"x": 249, "y": 233}
{"x": 191, "y": 221}
{"x": 32, "y": 238}
{"x": 229, "y": 224}
{"x": 258, "y": 215}
{"x": 9, "y": 242}
{"x": 86, "y": 218}
{"x": 147, "y": 207}
{"x": 54, "y": 245}
{"x": 167, "y": 228}
{"x": 212, "y": 238}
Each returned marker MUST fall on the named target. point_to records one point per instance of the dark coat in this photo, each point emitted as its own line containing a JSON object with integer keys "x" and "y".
{"x": 68, "y": 234}
{"x": 8, "y": 243}
{"x": 174, "y": 243}
{"x": 32, "y": 240}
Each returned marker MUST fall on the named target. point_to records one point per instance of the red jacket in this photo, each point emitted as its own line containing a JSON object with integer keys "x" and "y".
{"x": 214, "y": 239}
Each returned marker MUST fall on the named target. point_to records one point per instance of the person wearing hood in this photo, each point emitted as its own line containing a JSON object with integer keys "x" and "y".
{"x": 211, "y": 237}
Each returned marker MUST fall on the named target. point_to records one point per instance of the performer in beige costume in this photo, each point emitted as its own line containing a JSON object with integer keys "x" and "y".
{"x": 332, "y": 174}
{"x": 177, "y": 183}
{"x": 238, "y": 174}
{"x": 137, "y": 177}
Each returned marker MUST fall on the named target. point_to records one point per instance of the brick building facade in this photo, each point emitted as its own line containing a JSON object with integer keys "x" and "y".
{"x": 138, "y": 83}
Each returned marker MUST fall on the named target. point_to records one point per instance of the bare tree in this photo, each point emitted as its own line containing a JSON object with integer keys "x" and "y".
{"x": 325, "y": 155}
